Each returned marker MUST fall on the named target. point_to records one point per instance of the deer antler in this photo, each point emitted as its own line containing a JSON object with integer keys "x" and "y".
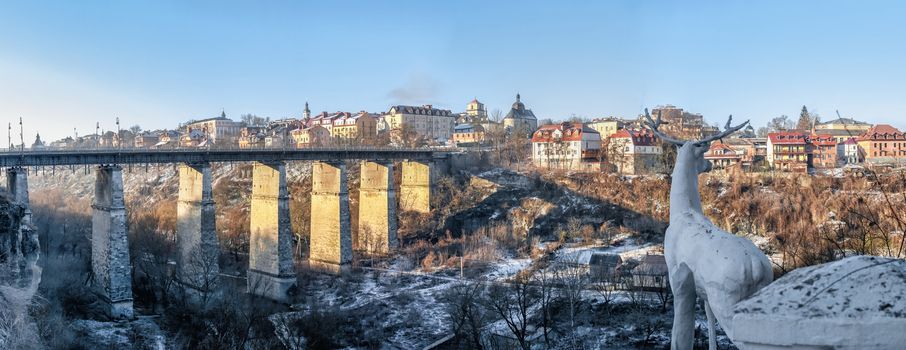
{"x": 653, "y": 125}
{"x": 727, "y": 131}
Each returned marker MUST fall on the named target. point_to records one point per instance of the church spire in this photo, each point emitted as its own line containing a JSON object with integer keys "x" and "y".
{"x": 306, "y": 113}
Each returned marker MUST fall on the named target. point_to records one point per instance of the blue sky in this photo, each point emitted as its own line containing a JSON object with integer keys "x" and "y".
{"x": 69, "y": 64}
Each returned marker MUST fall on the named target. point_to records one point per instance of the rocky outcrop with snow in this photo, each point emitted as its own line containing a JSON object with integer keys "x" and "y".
{"x": 854, "y": 303}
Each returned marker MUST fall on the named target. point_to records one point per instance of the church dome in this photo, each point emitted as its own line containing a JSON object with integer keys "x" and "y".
{"x": 518, "y": 104}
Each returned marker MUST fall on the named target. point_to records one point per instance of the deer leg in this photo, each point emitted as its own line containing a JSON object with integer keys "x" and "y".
{"x": 712, "y": 332}
{"x": 683, "y": 286}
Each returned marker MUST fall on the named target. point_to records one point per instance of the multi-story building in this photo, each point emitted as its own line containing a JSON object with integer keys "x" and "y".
{"x": 633, "y": 152}
{"x": 251, "y": 136}
{"x": 606, "y": 126}
{"x": 194, "y": 138}
{"x": 823, "y": 151}
{"x": 468, "y": 134}
{"x": 219, "y": 130}
{"x": 842, "y": 129}
{"x": 431, "y": 123}
{"x": 520, "y": 120}
{"x": 324, "y": 120}
{"x": 723, "y": 156}
{"x": 788, "y": 151}
{"x": 565, "y": 146}
{"x": 311, "y": 136}
{"x": 883, "y": 144}
{"x": 680, "y": 123}
{"x": 477, "y": 111}
{"x": 145, "y": 140}
{"x": 848, "y": 152}
{"x": 168, "y": 139}
{"x": 357, "y": 127}
{"x": 750, "y": 150}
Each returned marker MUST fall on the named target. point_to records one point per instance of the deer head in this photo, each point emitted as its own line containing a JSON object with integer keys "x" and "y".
{"x": 691, "y": 152}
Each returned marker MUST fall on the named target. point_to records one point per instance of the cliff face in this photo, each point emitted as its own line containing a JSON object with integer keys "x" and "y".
{"x": 18, "y": 245}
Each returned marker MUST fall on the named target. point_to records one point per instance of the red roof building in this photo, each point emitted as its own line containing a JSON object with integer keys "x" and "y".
{"x": 823, "y": 150}
{"x": 883, "y": 144}
{"x": 565, "y": 145}
{"x": 722, "y": 156}
{"x": 788, "y": 151}
{"x": 633, "y": 152}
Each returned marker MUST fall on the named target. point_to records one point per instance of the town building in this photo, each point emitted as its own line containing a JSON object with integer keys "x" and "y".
{"x": 572, "y": 146}
{"x": 752, "y": 151}
{"x": 65, "y": 143}
{"x": 145, "y": 140}
{"x": 633, "y": 152}
{"x": 359, "y": 127}
{"x": 324, "y": 120}
{"x": 38, "y": 144}
{"x": 842, "y": 129}
{"x": 311, "y": 136}
{"x": 168, "y": 139}
{"x": 251, "y": 137}
{"x": 475, "y": 113}
{"x": 194, "y": 138}
{"x": 606, "y": 127}
{"x": 520, "y": 120}
{"x": 682, "y": 124}
{"x": 219, "y": 130}
{"x": 788, "y": 151}
{"x": 427, "y": 122}
{"x": 823, "y": 151}
{"x": 883, "y": 144}
{"x": 722, "y": 156}
{"x": 651, "y": 273}
{"x": 848, "y": 152}
{"x": 468, "y": 134}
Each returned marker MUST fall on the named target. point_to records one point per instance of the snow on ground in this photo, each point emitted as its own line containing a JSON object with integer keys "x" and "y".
{"x": 507, "y": 268}
{"x": 629, "y": 249}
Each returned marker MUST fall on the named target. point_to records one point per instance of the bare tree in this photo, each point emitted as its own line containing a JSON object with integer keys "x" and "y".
{"x": 544, "y": 279}
{"x": 511, "y": 303}
{"x": 463, "y": 307}
{"x": 572, "y": 278}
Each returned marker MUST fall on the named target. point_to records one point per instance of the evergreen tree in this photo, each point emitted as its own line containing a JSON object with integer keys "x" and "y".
{"x": 805, "y": 120}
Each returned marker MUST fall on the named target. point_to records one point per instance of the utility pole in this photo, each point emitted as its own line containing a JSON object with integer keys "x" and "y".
{"x": 9, "y": 136}
{"x": 21, "y": 137}
{"x": 97, "y": 136}
{"x": 119, "y": 134}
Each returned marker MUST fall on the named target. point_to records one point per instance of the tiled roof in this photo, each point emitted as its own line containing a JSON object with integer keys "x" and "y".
{"x": 567, "y": 132}
{"x": 788, "y": 138}
{"x": 639, "y": 138}
{"x": 421, "y": 110}
{"x": 882, "y": 132}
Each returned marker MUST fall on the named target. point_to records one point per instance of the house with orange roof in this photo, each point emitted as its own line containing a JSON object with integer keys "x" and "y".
{"x": 633, "y": 152}
{"x": 722, "y": 156}
{"x": 570, "y": 146}
{"x": 883, "y": 144}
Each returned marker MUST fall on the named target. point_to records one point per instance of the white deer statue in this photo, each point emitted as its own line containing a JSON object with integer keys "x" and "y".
{"x": 703, "y": 260}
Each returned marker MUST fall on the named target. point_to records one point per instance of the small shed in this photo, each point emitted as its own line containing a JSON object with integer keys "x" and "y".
{"x": 651, "y": 273}
{"x": 603, "y": 266}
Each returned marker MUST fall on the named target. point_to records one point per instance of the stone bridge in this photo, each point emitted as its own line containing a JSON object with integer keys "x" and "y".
{"x": 270, "y": 273}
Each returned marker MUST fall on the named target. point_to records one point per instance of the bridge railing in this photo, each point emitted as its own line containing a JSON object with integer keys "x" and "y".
{"x": 221, "y": 149}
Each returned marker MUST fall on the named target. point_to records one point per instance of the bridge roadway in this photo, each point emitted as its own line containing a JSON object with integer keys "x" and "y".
{"x": 42, "y": 158}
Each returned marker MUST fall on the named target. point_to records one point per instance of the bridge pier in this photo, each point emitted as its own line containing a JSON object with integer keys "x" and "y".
{"x": 271, "y": 272}
{"x": 331, "y": 239}
{"x": 109, "y": 243}
{"x": 196, "y": 236}
{"x": 23, "y": 250}
{"x": 377, "y": 208}
{"x": 415, "y": 186}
